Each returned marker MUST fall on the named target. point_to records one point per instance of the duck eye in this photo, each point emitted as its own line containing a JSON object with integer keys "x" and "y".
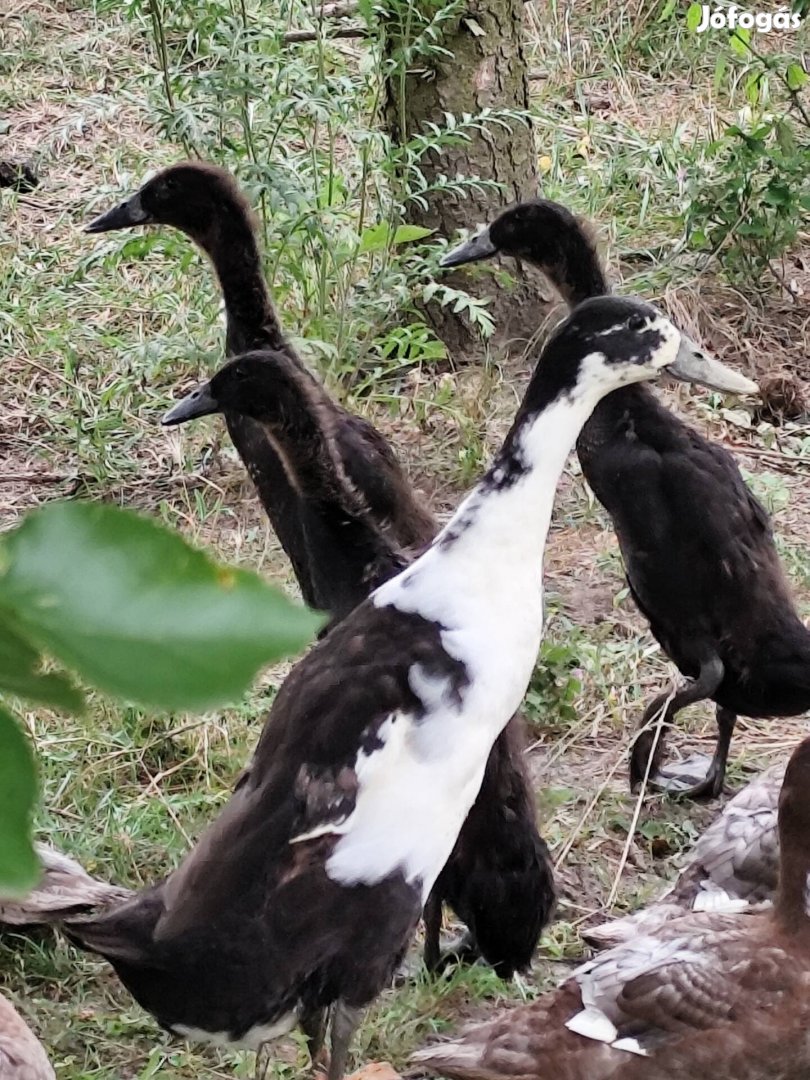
{"x": 636, "y": 322}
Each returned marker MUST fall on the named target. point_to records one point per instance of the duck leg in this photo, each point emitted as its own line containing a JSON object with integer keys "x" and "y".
{"x": 313, "y": 1024}
{"x": 432, "y": 916}
{"x": 262, "y": 1062}
{"x": 712, "y": 786}
{"x": 464, "y": 950}
{"x": 345, "y": 1019}
{"x": 658, "y": 718}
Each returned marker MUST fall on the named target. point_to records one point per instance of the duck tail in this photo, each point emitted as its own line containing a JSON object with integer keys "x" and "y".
{"x": 455, "y": 1059}
{"x": 649, "y": 921}
{"x": 65, "y": 891}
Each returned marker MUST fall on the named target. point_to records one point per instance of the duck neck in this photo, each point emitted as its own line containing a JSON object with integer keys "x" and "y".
{"x": 251, "y": 318}
{"x": 794, "y": 867}
{"x": 575, "y": 269}
{"x": 500, "y": 529}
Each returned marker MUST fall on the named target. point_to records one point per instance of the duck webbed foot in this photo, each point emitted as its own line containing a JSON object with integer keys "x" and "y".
{"x": 695, "y": 777}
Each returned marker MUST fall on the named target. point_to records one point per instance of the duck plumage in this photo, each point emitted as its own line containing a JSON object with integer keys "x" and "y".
{"x": 65, "y": 889}
{"x": 734, "y": 866}
{"x": 708, "y": 993}
{"x": 348, "y": 519}
{"x": 21, "y": 1054}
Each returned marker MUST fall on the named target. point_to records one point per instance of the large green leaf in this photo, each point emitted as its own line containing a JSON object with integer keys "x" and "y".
{"x": 20, "y": 674}
{"x": 137, "y": 612}
{"x": 19, "y": 868}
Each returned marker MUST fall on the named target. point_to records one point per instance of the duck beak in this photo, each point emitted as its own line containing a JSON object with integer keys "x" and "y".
{"x": 693, "y": 365}
{"x": 128, "y": 213}
{"x": 200, "y": 402}
{"x": 480, "y": 247}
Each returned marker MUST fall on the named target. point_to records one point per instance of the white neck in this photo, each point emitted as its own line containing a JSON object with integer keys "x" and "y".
{"x": 495, "y": 540}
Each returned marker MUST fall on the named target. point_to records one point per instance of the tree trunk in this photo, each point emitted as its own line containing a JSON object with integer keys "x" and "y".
{"x": 487, "y": 70}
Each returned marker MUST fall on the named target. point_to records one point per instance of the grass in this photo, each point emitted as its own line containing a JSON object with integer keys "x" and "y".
{"x": 99, "y": 334}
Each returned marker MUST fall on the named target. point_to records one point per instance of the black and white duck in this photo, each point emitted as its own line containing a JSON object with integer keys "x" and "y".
{"x": 697, "y": 545}
{"x": 499, "y": 878}
{"x": 707, "y": 994}
{"x": 348, "y": 518}
{"x": 303, "y": 894}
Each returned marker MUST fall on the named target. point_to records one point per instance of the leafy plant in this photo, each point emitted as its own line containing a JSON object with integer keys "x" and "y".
{"x": 555, "y": 685}
{"x": 746, "y": 207}
{"x": 748, "y": 212}
{"x": 301, "y": 126}
{"x": 131, "y": 609}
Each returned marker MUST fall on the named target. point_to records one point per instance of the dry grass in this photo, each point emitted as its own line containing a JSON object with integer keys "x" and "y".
{"x": 99, "y": 334}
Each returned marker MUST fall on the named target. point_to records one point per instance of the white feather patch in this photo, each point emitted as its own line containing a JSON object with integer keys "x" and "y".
{"x": 718, "y": 900}
{"x": 630, "y": 1046}
{"x": 593, "y": 1024}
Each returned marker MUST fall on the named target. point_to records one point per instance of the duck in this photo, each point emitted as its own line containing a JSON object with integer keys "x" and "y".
{"x": 204, "y": 202}
{"x": 734, "y": 866}
{"x": 317, "y": 470}
{"x": 710, "y": 584}
{"x": 21, "y": 1054}
{"x": 499, "y": 879}
{"x": 707, "y": 994}
{"x": 301, "y": 897}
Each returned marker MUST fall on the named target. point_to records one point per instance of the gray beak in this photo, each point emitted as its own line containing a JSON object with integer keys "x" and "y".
{"x": 200, "y": 402}
{"x": 128, "y": 213}
{"x": 480, "y": 247}
{"x": 693, "y": 365}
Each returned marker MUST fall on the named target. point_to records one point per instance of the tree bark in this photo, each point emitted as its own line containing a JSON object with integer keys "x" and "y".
{"x": 487, "y": 69}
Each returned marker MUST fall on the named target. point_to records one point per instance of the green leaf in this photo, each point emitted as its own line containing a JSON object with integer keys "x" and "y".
{"x": 19, "y": 867}
{"x": 694, "y": 17}
{"x": 374, "y": 238}
{"x": 139, "y": 613}
{"x": 19, "y": 674}
{"x": 406, "y": 234}
{"x": 796, "y": 77}
{"x": 739, "y": 39}
{"x": 667, "y": 10}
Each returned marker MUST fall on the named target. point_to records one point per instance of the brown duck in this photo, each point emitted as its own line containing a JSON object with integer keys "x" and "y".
{"x": 21, "y": 1053}
{"x": 706, "y": 995}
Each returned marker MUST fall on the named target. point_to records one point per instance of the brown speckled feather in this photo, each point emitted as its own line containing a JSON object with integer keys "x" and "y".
{"x": 21, "y": 1054}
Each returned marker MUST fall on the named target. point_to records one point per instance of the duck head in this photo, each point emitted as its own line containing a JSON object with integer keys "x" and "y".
{"x": 192, "y": 196}
{"x": 553, "y": 239}
{"x": 612, "y": 341}
{"x": 539, "y": 231}
{"x": 248, "y": 385}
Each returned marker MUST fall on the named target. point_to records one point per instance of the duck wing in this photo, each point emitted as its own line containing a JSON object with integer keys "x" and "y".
{"x": 733, "y": 866}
